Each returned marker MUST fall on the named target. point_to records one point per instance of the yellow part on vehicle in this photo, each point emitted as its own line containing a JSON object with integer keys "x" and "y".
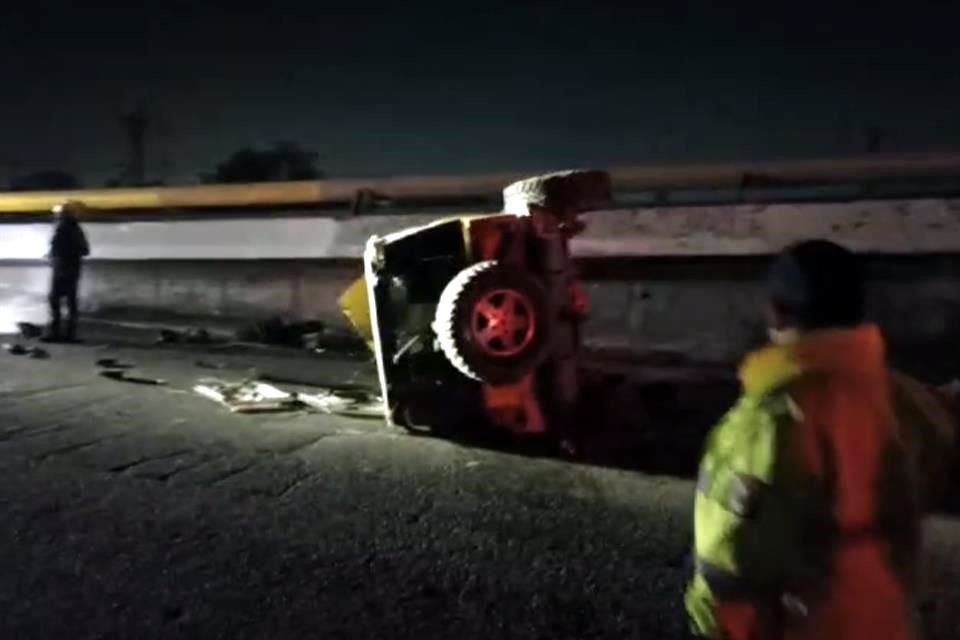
{"x": 355, "y": 305}
{"x": 354, "y": 302}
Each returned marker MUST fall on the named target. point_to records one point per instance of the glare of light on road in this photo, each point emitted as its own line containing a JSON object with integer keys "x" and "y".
{"x": 24, "y": 242}
{"x": 20, "y": 309}
{"x": 22, "y": 292}
{"x": 197, "y": 239}
{"x": 8, "y": 321}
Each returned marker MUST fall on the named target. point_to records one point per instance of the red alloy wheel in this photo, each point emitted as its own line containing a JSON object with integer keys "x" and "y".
{"x": 503, "y": 323}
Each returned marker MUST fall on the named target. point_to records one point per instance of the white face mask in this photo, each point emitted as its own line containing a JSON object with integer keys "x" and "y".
{"x": 783, "y": 336}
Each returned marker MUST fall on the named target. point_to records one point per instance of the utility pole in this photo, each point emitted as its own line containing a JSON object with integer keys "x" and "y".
{"x": 136, "y": 123}
{"x": 875, "y": 137}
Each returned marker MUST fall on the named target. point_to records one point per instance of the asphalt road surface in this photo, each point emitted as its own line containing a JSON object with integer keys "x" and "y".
{"x": 136, "y": 511}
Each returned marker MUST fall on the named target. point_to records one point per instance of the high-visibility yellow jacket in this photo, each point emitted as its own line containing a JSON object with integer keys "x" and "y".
{"x": 808, "y": 502}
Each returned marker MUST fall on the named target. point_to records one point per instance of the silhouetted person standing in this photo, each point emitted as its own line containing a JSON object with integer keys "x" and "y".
{"x": 68, "y": 247}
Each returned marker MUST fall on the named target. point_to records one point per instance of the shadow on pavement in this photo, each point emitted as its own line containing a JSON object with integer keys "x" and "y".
{"x": 642, "y": 415}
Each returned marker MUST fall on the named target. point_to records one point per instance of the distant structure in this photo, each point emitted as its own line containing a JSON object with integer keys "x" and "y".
{"x": 136, "y": 125}
{"x": 875, "y": 138}
{"x": 49, "y": 180}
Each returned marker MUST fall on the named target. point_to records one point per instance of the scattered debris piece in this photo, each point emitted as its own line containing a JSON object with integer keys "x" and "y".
{"x": 167, "y": 336}
{"x": 252, "y": 396}
{"x": 283, "y": 332}
{"x": 56, "y": 339}
{"x": 300, "y": 382}
{"x": 351, "y": 389}
{"x": 203, "y": 364}
{"x": 313, "y": 335}
{"x": 113, "y": 363}
{"x": 247, "y": 396}
{"x": 16, "y": 349}
{"x": 191, "y": 336}
{"x": 336, "y": 340}
{"x": 368, "y": 405}
{"x": 198, "y": 336}
{"x": 122, "y": 375}
{"x": 29, "y": 331}
{"x": 311, "y": 341}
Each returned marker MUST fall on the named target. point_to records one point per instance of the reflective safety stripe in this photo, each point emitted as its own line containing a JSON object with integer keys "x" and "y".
{"x": 704, "y": 482}
{"x": 779, "y": 607}
{"x": 725, "y": 585}
{"x": 745, "y": 495}
{"x": 744, "y": 492}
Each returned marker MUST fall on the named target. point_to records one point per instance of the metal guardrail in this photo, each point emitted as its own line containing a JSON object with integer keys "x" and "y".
{"x": 353, "y": 193}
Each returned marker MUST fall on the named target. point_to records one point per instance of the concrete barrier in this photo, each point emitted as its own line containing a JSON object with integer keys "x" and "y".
{"x": 880, "y": 226}
{"x": 229, "y": 290}
{"x": 681, "y": 278}
{"x": 708, "y": 307}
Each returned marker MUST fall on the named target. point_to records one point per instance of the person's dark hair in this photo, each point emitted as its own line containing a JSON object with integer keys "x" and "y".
{"x": 817, "y": 284}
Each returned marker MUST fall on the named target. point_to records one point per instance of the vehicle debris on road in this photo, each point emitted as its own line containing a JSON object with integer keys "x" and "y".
{"x": 282, "y": 332}
{"x": 204, "y": 364}
{"x": 191, "y": 336}
{"x": 313, "y": 335}
{"x": 248, "y": 396}
{"x": 253, "y": 396}
{"x": 113, "y": 363}
{"x": 29, "y": 331}
{"x": 16, "y": 349}
{"x": 360, "y": 405}
{"x": 123, "y": 376}
{"x": 118, "y": 370}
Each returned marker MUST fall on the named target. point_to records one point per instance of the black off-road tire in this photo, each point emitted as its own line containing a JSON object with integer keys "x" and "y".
{"x": 576, "y": 190}
{"x": 453, "y": 317}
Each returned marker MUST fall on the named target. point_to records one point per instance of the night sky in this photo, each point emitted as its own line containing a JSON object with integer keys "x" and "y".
{"x": 473, "y": 86}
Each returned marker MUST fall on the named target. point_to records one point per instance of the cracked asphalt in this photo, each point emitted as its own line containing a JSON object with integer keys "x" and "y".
{"x": 136, "y": 511}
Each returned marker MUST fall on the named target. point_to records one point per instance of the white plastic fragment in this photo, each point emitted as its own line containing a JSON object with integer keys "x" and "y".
{"x": 246, "y": 397}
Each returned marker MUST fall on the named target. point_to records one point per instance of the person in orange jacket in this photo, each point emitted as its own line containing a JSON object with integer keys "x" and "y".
{"x": 809, "y": 499}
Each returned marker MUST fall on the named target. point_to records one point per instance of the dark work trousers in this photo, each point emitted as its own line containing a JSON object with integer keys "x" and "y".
{"x": 63, "y": 288}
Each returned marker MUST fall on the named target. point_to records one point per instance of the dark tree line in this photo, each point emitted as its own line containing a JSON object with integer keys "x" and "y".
{"x": 282, "y": 162}
{"x": 46, "y": 181}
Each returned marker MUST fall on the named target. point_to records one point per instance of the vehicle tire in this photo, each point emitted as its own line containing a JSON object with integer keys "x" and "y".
{"x": 577, "y": 190}
{"x": 492, "y": 323}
